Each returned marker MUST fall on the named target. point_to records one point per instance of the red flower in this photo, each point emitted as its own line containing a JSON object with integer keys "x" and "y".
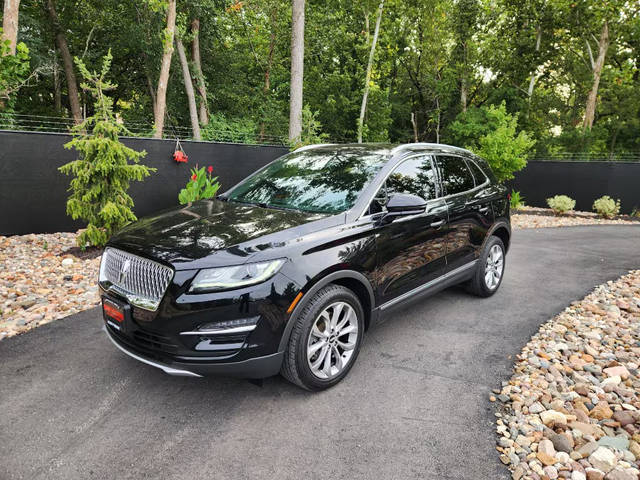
{"x": 209, "y": 169}
{"x": 180, "y": 157}
{"x": 194, "y": 177}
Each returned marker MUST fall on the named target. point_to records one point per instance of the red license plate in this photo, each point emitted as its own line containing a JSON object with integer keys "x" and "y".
{"x": 113, "y": 311}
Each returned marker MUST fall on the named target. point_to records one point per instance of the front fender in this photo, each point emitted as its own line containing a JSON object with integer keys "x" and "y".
{"x": 311, "y": 289}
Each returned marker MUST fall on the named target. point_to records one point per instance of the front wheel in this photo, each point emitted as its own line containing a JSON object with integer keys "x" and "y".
{"x": 325, "y": 339}
{"x": 490, "y": 269}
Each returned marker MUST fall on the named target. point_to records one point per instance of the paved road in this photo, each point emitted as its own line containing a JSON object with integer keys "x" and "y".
{"x": 414, "y": 406}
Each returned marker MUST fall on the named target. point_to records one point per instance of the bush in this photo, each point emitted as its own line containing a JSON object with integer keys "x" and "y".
{"x": 201, "y": 185}
{"x": 102, "y": 171}
{"x": 606, "y": 207}
{"x": 517, "y": 200}
{"x": 311, "y": 130}
{"x": 490, "y": 132}
{"x": 561, "y": 204}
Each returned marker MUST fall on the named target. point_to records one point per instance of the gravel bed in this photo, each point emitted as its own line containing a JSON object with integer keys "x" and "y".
{"x": 532, "y": 217}
{"x": 572, "y": 407}
{"x": 39, "y": 283}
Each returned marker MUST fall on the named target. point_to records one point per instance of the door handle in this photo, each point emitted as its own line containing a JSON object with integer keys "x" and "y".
{"x": 437, "y": 224}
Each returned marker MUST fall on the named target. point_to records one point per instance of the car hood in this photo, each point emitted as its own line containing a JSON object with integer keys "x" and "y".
{"x": 213, "y": 233}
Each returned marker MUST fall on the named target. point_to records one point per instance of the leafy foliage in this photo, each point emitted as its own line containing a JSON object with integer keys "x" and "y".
{"x": 533, "y": 56}
{"x": 14, "y": 70}
{"x": 606, "y": 207}
{"x": 201, "y": 185}
{"x": 222, "y": 129}
{"x": 561, "y": 204}
{"x": 517, "y": 200}
{"x": 311, "y": 129}
{"x": 102, "y": 171}
{"x": 492, "y": 133}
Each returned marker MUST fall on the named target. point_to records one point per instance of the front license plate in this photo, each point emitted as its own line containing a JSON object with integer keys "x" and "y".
{"x": 113, "y": 313}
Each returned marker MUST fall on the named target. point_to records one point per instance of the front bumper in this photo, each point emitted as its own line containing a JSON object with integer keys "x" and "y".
{"x": 259, "y": 367}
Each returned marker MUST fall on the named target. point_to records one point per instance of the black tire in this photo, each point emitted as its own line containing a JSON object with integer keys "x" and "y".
{"x": 478, "y": 285}
{"x": 295, "y": 367}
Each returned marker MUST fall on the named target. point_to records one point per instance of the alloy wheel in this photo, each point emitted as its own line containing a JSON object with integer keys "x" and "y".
{"x": 494, "y": 267}
{"x": 332, "y": 340}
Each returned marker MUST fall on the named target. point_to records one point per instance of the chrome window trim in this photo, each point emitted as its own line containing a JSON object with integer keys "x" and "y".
{"x": 466, "y": 158}
{"x": 431, "y": 154}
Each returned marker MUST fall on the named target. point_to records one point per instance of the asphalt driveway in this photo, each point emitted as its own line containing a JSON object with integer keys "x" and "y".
{"x": 414, "y": 406}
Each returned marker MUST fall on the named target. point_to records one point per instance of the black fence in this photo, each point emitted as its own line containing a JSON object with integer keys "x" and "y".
{"x": 33, "y": 193}
{"x": 582, "y": 181}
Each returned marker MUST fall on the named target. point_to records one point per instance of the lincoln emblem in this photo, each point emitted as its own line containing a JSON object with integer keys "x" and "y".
{"x": 124, "y": 270}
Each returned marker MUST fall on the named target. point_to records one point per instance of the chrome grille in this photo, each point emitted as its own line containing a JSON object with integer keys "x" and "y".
{"x": 141, "y": 281}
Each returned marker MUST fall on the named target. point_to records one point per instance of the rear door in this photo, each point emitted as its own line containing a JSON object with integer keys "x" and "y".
{"x": 479, "y": 203}
{"x": 467, "y": 228}
{"x": 411, "y": 250}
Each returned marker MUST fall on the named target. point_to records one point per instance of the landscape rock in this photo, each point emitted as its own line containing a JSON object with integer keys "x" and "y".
{"x": 603, "y": 459}
{"x": 574, "y": 397}
{"x": 551, "y": 417}
{"x": 594, "y": 474}
{"x": 561, "y": 442}
{"x": 40, "y": 282}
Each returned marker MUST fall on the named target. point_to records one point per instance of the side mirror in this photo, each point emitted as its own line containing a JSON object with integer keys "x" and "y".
{"x": 402, "y": 205}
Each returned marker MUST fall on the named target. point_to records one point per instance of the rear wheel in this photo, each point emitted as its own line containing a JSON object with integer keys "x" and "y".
{"x": 325, "y": 339}
{"x": 490, "y": 269}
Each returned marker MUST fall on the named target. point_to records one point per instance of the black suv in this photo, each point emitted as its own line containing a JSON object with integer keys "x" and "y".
{"x": 287, "y": 270}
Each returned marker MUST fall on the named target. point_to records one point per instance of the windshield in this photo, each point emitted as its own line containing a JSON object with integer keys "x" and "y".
{"x": 311, "y": 180}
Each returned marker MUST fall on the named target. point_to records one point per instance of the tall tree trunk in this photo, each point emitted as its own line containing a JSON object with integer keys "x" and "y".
{"x": 415, "y": 127}
{"x": 67, "y": 62}
{"x": 463, "y": 81}
{"x": 297, "y": 69}
{"x": 203, "y": 110}
{"x": 590, "y": 109}
{"x": 152, "y": 92}
{"x": 532, "y": 81}
{"x": 365, "y": 96}
{"x": 57, "y": 87}
{"x": 267, "y": 73}
{"x": 165, "y": 66}
{"x": 188, "y": 88}
{"x": 10, "y": 24}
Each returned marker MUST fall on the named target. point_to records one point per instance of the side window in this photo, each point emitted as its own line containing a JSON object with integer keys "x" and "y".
{"x": 456, "y": 177}
{"x": 415, "y": 175}
{"x": 478, "y": 174}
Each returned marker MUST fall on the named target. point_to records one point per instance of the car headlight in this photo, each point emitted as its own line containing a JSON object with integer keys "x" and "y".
{"x": 227, "y": 278}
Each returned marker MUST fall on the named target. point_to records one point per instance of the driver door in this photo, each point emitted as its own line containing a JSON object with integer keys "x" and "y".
{"x": 411, "y": 251}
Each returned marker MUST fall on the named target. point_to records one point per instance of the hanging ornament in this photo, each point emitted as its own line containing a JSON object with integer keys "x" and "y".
{"x": 178, "y": 155}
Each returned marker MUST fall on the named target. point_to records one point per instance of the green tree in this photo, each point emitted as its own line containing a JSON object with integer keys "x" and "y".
{"x": 102, "y": 172}
{"x": 491, "y": 133}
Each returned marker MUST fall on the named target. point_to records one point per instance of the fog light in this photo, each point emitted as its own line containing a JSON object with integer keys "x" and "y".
{"x": 225, "y": 327}
{"x": 240, "y": 322}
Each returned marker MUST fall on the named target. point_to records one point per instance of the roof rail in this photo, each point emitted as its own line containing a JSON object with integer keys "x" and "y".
{"x": 316, "y": 145}
{"x": 409, "y": 146}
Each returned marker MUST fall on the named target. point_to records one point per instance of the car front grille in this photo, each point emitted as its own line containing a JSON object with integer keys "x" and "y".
{"x": 141, "y": 281}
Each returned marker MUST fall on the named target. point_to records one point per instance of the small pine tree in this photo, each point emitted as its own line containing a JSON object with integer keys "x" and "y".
{"x": 102, "y": 172}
